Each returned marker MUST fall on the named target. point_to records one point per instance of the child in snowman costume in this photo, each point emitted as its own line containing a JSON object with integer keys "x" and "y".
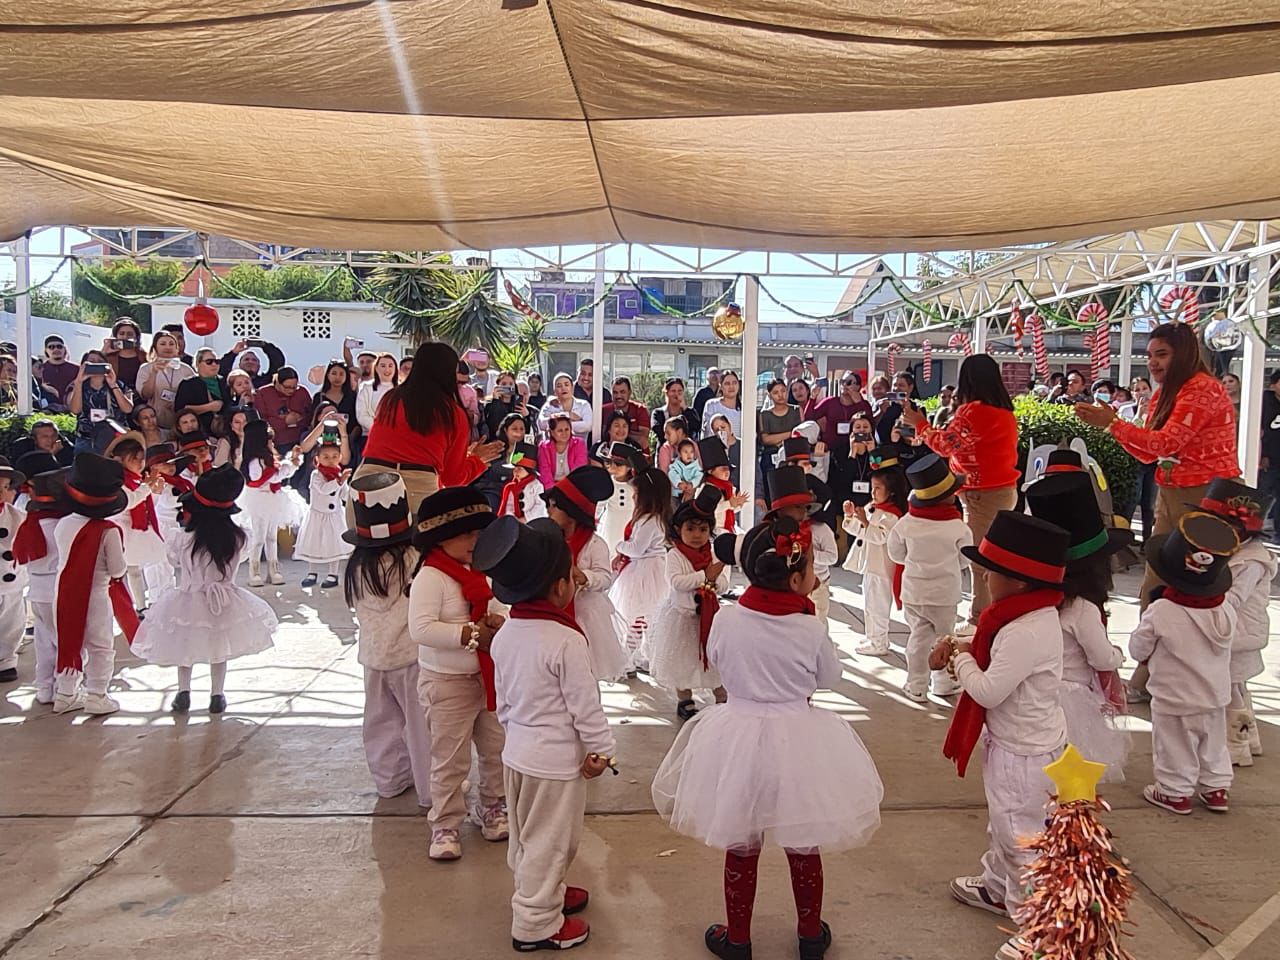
{"x": 13, "y": 578}
{"x": 35, "y": 549}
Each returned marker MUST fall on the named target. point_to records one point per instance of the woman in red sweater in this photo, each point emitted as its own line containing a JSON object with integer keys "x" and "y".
{"x": 981, "y": 441}
{"x": 423, "y": 432}
{"x": 1190, "y": 434}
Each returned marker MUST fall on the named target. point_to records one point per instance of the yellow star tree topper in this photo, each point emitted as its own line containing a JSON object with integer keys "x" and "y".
{"x": 1075, "y": 777}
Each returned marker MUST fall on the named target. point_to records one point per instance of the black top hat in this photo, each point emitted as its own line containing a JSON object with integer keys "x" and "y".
{"x": 884, "y": 457}
{"x": 524, "y": 455}
{"x": 522, "y": 559}
{"x": 789, "y": 487}
{"x": 1193, "y": 559}
{"x": 578, "y": 492}
{"x": 45, "y": 475}
{"x": 1244, "y": 507}
{"x": 215, "y": 491}
{"x": 932, "y": 481}
{"x": 1067, "y": 500}
{"x": 381, "y": 507}
{"x": 161, "y": 453}
{"x": 701, "y": 507}
{"x": 625, "y": 453}
{"x": 449, "y": 513}
{"x": 796, "y": 450}
{"x": 727, "y": 548}
{"x": 35, "y": 462}
{"x": 195, "y": 439}
{"x": 713, "y": 453}
{"x": 1063, "y": 460}
{"x": 1025, "y": 548}
{"x": 95, "y": 487}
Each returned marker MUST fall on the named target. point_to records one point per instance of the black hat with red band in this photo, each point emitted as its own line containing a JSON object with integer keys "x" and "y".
{"x": 95, "y": 487}
{"x": 1063, "y": 461}
{"x": 789, "y": 487}
{"x": 578, "y": 492}
{"x": 1024, "y": 548}
{"x": 702, "y": 509}
{"x": 215, "y": 491}
{"x": 796, "y": 450}
{"x": 1242, "y": 506}
{"x": 380, "y": 506}
{"x": 524, "y": 455}
{"x": 162, "y": 453}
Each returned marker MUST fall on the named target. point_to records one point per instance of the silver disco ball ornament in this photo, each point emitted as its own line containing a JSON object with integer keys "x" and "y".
{"x": 1222, "y": 336}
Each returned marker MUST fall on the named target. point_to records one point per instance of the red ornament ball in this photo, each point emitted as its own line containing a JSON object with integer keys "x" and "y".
{"x": 201, "y": 319}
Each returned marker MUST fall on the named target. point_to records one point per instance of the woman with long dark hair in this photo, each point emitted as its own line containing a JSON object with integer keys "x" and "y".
{"x": 981, "y": 441}
{"x": 1190, "y": 433}
{"x": 888, "y": 409}
{"x": 422, "y": 430}
{"x": 336, "y": 388}
{"x": 228, "y": 448}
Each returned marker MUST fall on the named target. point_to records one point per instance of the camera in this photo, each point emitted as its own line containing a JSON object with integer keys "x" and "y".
{"x": 862, "y": 438}
{"x": 905, "y": 431}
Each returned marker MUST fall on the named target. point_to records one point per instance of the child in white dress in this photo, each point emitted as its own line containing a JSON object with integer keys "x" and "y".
{"x": 623, "y": 461}
{"x": 164, "y": 463}
{"x": 869, "y": 527}
{"x": 140, "y": 521}
{"x": 682, "y": 625}
{"x": 320, "y": 540}
{"x": 768, "y": 766}
{"x": 571, "y": 503}
{"x": 268, "y": 502}
{"x": 640, "y": 562}
{"x": 207, "y": 618}
{"x": 13, "y": 578}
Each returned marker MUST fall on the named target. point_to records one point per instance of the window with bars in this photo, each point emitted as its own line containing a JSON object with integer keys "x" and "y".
{"x": 246, "y": 322}
{"x": 316, "y": 324}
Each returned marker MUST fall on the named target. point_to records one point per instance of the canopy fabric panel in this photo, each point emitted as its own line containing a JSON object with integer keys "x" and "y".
{"x": 805, "y": 125}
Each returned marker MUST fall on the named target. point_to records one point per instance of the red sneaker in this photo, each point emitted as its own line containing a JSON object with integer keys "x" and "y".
{"x": 571, "y": 933}
{"x": 1214, "y": 800}
{"x": 1178, "y": 805}
{"x": 575, "y": 900}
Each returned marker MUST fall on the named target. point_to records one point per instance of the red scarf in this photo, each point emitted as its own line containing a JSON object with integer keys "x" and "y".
{"x": 967, "y": 721}
{"x": 29, "y": 542}
{"x": 544, "y": 610}
{"x": 476, "y": 591}
{"x": 775, "y": 603}
{"x": 939, "y": 511}
{"x": 264, "y": 480}
{"x": 329, "y": 473}
{"x": 580, "y": 537}
{"x": 705, "y": 599}
{"x": 73, "y": 604}
{"x": 1187, "y": 600}
{"x": 513, "y": 493}
{"x": 621, "y": 560}
{"x": 725, "y": 487}
{"x": 894, "y": 510}
{"x": 143, "y": 516}
{"x": 178, "y": 483}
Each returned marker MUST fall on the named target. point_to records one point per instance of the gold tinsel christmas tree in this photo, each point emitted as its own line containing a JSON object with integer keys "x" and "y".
{"x": 1079, "y": 888}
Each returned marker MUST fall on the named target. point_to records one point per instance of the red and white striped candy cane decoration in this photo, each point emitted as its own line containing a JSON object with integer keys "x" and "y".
{"x": 960, "y": 341}
{"x": 927, "y": 364}
{"x": 1188, "y": 304}
{"x": 1038, "y": 350}
{"x": 520, "y": 303}
{"x": 1100, "y": 347}
{"x": 893, "y": 350}
{"x": 1019, "y": 326}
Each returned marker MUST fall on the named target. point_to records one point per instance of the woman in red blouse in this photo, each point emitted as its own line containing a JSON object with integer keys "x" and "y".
{"x": 423, "y": 432}
{"x": 1191, "y": 430}
{"x": 981, "y": 441}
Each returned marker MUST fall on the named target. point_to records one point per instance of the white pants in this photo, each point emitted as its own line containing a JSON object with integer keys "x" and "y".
{"x": 821, "y": 598}
{"x": 98, "y": 656}
{"x": 46, "y": 646}
{"x": 928, "y": 622}
{"x": 1190, "y": 750}
{"x": 1017, "y": 792}
{"x": 263, "y": 535}
{"x": 137, "y": 587}
{"x": 877, "y": 607}
{"x": 546, "y": 826}
{"x": 13, "y": 622}
{"x": 397, "y": 745}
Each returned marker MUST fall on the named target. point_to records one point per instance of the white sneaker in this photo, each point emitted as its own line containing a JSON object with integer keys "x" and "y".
{"x": 492, "y": 820}
{"x": 255, "y": 580}
{"x": 44, "y": 697}
{"x": 972, "y": 892}
{"x": 917, "y": 694}
{"x": 445, "y": 845}
{"x": 98, "y": 704}
{"x": 943, "y": 686}
{"x": 1015, "y": 948}
{"x": 63, "y": 703}
{"x": 277, "y": 577}
{"x": 872, "y": 648}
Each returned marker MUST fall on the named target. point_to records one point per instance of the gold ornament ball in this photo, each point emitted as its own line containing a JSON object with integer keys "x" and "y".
{"x": 728, "y": 324}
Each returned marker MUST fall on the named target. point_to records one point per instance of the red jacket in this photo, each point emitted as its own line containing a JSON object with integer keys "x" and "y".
{"x": 1198, "y": 441}
{"x": 393, "y": 441}
{"x": 981, "y": 442}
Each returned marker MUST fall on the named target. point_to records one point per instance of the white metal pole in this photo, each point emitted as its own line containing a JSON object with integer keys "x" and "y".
{"x": 22, "y": 324}
{"x": 750, "y": 367}
{"x": 871, "y": 367}
{"x": 980, "y": 335}
{"x": 1255, "y": 356}
{"x": 1126, "y": 351}
{"x": 597, "y": 351}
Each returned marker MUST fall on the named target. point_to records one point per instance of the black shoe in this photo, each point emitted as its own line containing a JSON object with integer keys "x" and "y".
{"x": 181, "y": 702}
{"x": 717, "y": 940}
{"x": 330, "y": 582}
{"x": 308, "y": 581}
{"x": 217, "y": 703}
{"x": 812, "y": 948}
{"x": 686, "y": 710}
{"x": 8, "y": 675}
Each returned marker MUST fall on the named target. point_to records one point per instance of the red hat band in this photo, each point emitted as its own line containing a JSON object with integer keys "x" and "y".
{"x": 1047, "y": 572}
{"x": 575, "y": 497}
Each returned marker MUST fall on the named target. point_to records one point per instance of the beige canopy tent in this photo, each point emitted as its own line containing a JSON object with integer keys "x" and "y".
{"x": 814, "y": 125}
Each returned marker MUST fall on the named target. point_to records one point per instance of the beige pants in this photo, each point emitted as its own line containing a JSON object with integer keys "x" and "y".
{"x": 821, "y": 598}
{"x": 546, "y": 826}
{"x": 457, "y": 718}
{"x": 980, "y": 509}
{"x": 418, "y": 485}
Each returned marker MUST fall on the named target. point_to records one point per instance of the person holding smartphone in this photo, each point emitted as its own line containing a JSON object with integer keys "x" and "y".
{"x": 507, "y": 398}
{"x": 97, "y": 400}
{"x": 159, "y": 377}
{"x": 123, "y": 350}
{"x": 243, "y": 356}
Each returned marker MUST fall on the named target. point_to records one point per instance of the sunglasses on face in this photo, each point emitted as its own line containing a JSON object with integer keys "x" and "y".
{"x": 848, "y": 383}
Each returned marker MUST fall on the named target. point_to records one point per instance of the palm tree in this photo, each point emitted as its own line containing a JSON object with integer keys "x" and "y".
{"x": 408, "y": 292}
{"x": 525, "y": 349}
{"x": 474, "y": 318}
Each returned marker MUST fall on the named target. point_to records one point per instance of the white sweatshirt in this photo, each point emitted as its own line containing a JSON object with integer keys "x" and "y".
{"x": 648, "y": 539}
{"x": 1252, "y": 570}
{"x": 531, "y": 500}
{"x": 929, "y": 551}
{"x": 869, "y": 553}
{"x": 684, "y": 580}
{"x": 43, "y": 573}
{"x": 1021, "y": 687}
{"x": 383, "y": 625}
{"x": 1188, "y": 651}
{"x": 1086, "y": 649}
{"x": 437, "y": 611}
{"x": 548, "y": 700}
{"x": 825, "y": 551}
{"x": 772, "y": 659}
{"x": 595, "y": 561}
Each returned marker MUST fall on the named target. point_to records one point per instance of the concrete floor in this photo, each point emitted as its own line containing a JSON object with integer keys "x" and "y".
{"x": 258, "y": 834}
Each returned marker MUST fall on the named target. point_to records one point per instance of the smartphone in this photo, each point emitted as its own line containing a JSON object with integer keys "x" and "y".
{"x": 808, "y": 358}
{"x": 905, "y": 431}
{"x": 505, "y": 391}
{"x": 724, "y": 436}
{"x": 897, "y": 396}
{"x": 862, "y": 438}
{"x": 355, "y": 342}
{"x": 97, "y": 369}
{"x": 254, "y": 342}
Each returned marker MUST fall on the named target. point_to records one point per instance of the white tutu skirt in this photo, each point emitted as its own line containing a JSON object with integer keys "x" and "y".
{"x": 143, "y": 547}
{"x": 604, "y": 630}
{"x": 674, "y": 659}
{"x": 1093, "y": 730}
{"x": 262, "y": 508}
{"x": 320, "y": 539}
{"x": 639, "y": 589}
{"x": 745, "y": 774}
{"x": 209, "y": 623}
